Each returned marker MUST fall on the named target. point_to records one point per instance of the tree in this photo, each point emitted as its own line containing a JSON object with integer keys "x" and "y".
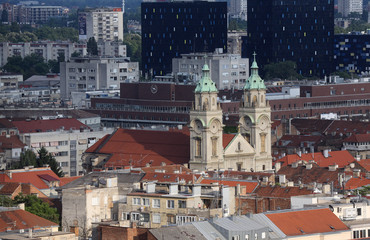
{"x": 38, "y": 207}
{"x": 6, "y": 201}
{"x": 28, "y": 158}
{"x": 282, "y": 70}
{"x": 92, "y": 47}
{"x": 44, "y": 157}
{"x": 76, "y": 54}
{"x": 30, "y": 65}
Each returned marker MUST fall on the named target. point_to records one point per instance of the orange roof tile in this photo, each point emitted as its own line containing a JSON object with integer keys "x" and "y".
{"x": 20, "y": 219}
{"x": 11, "y": 142}
{"x": 358, "y": 138}
{"x": 341, "y": 158}
{"x": 355, "y": 183}
{"x": 250, "y": 186}
{"x": 29, "y": 176}
{"x": 8, "y": 188}
{"x": 365, "y": 163}
{"x": 227, "y": 138}
{"x": 65, "y": 180}
{"x": 293, "y": 223}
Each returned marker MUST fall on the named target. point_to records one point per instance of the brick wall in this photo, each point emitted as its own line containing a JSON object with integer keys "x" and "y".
{"x": 261, "y": 204}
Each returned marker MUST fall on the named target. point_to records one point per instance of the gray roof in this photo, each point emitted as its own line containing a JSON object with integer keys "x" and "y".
{"x": 238, "y": 223}
{"x": 123, "y": 178}
{"x": 184, "y": 232}
{"x": 208, "y": 231}
{"x": 40, "y": 112}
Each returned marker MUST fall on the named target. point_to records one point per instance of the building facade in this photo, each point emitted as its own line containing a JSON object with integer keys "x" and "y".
{"x": 83, "y": 74}
{"x": 238, "y": 9}
{"x": 104, "y": 24}
{"x": 228, "y": 70}
{"x": 299, "y": 31}
{"x": 345, "y": 7}
{"x": 351, "y": 53}
{"x": 172, "y": 28}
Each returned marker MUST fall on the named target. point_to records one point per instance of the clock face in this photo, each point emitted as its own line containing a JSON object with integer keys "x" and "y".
{"x": 154, "y": 88}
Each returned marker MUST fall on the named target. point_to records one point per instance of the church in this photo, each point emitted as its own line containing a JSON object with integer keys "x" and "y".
{"x": 202, "y": 145}
{"x": 250, "y": 148}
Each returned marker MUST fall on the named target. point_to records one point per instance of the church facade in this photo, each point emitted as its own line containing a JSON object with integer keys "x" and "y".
{"x": 250, "y": 148}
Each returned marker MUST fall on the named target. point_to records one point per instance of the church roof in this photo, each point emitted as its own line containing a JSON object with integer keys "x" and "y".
{"x": 254, "y": 81}
{"x": 206, "y": 84}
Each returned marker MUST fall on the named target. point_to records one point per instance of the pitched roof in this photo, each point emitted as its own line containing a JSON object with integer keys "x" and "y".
{"x": 33, "y": 126}
{"x": 10, "y": 142}
{"x": 249, "y": 186}
{"x": 8, "y": 188}
{"x": 20, "y": 219}
{"x": 167, "y": 169}
{"x": 341, "y": 158}
{"x": 293, "y": 223}
{"x": 184, "y": 232}
{"x": 140, "y": 147}
{"x": 355, "y": 183}
{"x": 365, "y": 163}
{"x": 298, "y": 141}
{"x": 227, "y": 138}
{"x": 29, "y": 176}
{"x": 65, "y": 180}
{"x": 281, "y": 192}
{"x": 358, "y": 138}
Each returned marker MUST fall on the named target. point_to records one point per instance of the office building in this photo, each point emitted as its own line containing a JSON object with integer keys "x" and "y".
{"x": 238, "y": 9}
{"x": 170, "y": 29}
{"x": 83, "y": 74}
{"x": 345, "y": 7}
{"x": 299, "y": 31}
{"x": 228, "y": 70}
{"x": 351, "y": 53}
{"x": 104, "y": 24}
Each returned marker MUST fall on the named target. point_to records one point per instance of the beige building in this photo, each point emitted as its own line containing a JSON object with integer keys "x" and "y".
{"x": 210, "y": 148}
{"x": 10, "y": 81}
{"x": 94, "y": 198}
{"x": 167, "y": 204}
{"x": 104, "y": 24}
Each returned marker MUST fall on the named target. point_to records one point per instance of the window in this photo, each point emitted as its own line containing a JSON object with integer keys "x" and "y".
{"x": 125, "y": 216}
{"x": 359, "y": 211}
{"x": 214, "y": 146}
{"x": 135, "y": 216}
{"x": 263, "y": 235}
{"x": 246, "y": 236}
{"x": 263, "y": 143}
{"x": 156, "y": 218}
{"x": 95, "y": 201}
{"x": 236, "y": 237}
{"x": 170, "y": 204}
{"x": 146, "y": 201}
{"x": 136, "y": 201}
{"x": 198, "y": 147}
{"x": 156, "y": 203}
{"x": 182, "y": 204}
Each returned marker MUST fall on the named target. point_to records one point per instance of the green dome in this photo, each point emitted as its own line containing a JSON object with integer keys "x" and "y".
{"x": 254, "y": 81}
{"x": 205, "y": 84}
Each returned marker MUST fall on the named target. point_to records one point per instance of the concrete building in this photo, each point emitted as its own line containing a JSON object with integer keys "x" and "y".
{"x": 167, "y": 204}
{"x": 65, "y": 139}
{"x": 238, "y": 9}
{"x": 83, "y": 74}
{"x": 358, "y": 145}
{"x": 41, "y": 14}
{"x": 94, "y": 198}
{"x": 10, "y": 81}
{"x": 228, "y": 71}
{"x": 104, "y": 24}
{"x": 345, "y": 7}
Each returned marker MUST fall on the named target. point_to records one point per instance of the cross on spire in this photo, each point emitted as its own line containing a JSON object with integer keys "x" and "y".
{"x": 254, "y": 56}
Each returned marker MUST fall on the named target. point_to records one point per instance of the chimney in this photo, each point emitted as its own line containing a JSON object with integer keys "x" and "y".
{"x": 333, "y": 168}
{"x": 309, "y": 166}
{"x": 282, "y": 179}
{"x": 295, "y": 165}
{"x": 352, "y": 165}
{"x": 173, "y": 189}
{"x": 277, "y": 166}
{"x": 238, "y": 192}
{"x": 326, "y": 153}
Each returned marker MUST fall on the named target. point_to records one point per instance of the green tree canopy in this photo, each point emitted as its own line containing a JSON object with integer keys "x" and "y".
{"x": 133, "y": 44}
{"x": 282, "y": 70}
{"x": 92, "y": 47}
{"x": 38, "y": 207}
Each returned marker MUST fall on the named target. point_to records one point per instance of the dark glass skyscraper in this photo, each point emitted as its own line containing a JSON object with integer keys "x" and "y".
{"x": 296, "y": 30}
{"x": 170, "y": 29}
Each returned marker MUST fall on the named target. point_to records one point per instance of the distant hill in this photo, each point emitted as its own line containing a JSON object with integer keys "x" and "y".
{"x": 130, "y": 4}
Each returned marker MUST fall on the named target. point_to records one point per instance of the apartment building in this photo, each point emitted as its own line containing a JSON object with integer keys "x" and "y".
{"x": 10, "y": 81}
{"x": 166, "y": 204}
{"x": 83, "y": 74}
{"x": 41, "y": 14}
{"x": 104, "y": 24}
{"x": 228, "y": 70}
{"x": 345, "y": 7}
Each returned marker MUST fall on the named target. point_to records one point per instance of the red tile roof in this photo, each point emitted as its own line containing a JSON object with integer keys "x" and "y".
{"x": 28, "y": 176}
{"x": 293, "y": 223}
{"x": 65, "y": 180}
{"x": 358, "y": 138}
{"x": 341, "y": 158}
{"x": 48, "y": 178}
{"x": 10, "y": 142}
{"x": 141, "y": 147}
{"x": 227, "y": 138}
{"x": 171, "y": 177}
{"x": 249, "y": 186}
{"x": 8, "y": 188}
{"x": 365, "y": 163}
{"x": 20, "y": 219}
{"x": 355, "y": 183}
{"x": 167, "y": 169}
{"x": 298, "y": 141}
{"x": 49, "y": 125}
{"x": 281, "y": 192}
